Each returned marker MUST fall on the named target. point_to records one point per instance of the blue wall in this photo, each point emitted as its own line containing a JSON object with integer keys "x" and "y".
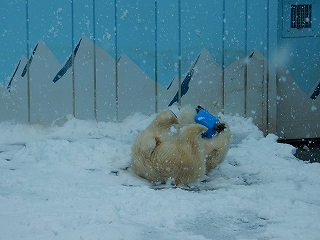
{"x": 229, "y": 30}
{"x": 251, "y": 62}
{"x": 299, "y": 49}
{"x": 154, "y": 33}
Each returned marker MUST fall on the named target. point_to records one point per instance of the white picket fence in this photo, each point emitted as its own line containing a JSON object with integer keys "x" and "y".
{"x": 97, "y": 88}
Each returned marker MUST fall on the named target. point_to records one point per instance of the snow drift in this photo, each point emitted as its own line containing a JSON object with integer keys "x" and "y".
{"x": 73, "y": 181}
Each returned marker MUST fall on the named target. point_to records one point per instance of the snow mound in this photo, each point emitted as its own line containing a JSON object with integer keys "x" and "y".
{"x": 73, "y": 181}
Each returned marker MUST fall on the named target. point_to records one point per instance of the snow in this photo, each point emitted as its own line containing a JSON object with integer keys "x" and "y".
{"x": 71, "y": 181}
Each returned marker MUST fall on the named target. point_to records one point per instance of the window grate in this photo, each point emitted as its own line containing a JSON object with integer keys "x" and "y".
{"x": 301, "y": 16}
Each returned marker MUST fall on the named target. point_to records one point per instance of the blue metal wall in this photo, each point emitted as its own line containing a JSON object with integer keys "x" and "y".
{"x": 243, "y": 50}
{"x": 299, "y": 49}
{"x": 298, "y": 73}
{"x": 229, "y": 30}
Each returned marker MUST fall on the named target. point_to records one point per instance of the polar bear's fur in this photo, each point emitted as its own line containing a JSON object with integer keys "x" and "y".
{"x": 161, "y": 155}
{"x": 215, "y": 148}
{"x": 157, "y": 132}
{"x": 179, "y": 158}
{"x": 186, "y": 115}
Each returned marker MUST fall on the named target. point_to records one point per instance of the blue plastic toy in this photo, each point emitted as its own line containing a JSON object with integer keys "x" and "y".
{"x": 208, "y": 120}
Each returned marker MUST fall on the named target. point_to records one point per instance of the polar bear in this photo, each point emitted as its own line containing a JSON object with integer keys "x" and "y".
{"x": 157, "y": 132}
{"x": 159, "y": 155}
{"x": 180, "y": 158}
{"x": 215, "y": 148}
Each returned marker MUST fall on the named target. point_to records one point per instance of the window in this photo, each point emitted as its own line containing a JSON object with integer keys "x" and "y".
{"x": 301, "y": 16}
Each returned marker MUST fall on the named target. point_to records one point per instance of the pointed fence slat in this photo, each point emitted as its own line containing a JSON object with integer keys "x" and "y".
{"x": 74, "y": 70}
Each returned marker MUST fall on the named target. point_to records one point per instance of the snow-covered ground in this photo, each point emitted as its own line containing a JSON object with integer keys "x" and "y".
{"x": 72, "y": 181}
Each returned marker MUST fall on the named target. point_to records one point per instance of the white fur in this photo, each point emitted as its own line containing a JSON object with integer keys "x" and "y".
{"x": 215, "y": 148}
{"x": 186, "y": 115}
{"x": 181, "y": 157}
{"x": 158, "y": 131}
{"x": 162, "y": 157}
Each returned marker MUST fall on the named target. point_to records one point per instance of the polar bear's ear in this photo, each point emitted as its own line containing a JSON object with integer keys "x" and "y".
{"x": 193, "y": 130}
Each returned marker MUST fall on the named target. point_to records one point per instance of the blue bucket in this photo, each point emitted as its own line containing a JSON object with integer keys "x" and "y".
{"x": 208, "y": 120}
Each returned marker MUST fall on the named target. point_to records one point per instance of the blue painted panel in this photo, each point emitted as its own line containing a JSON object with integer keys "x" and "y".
{"x": 298, "y": 51}
{"x": 257, "y": 26}
{"x": 167, "y": 40}
{"x": 83, "y": 19}
{"x": 235, "y": 31}
{"x": 105, "y": 25}
{"x": 105, "y": 63}
{"x": 51, "y": 22}
{"x": 12, "y": 36}
{"x": 83, "y": 28}
{"x": 201, "y": 27}
{"x": 272, "y": 33}
{"x": 136, "y": 33}
{"x": 302, "y": 60}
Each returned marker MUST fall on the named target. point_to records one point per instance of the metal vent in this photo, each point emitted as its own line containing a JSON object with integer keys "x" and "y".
{"x": 301, "y": 16}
